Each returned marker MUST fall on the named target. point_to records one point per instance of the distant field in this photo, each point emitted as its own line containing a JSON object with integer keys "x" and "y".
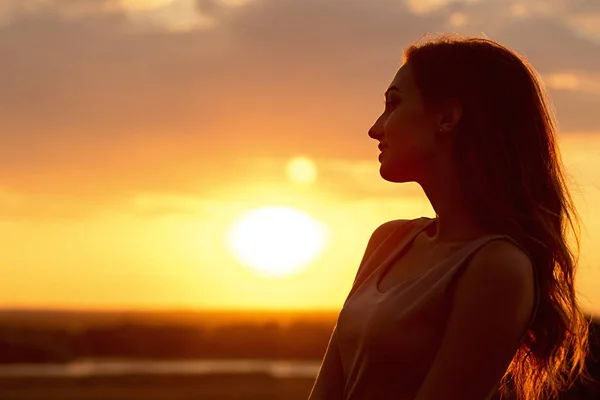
{"x": 207, "y": 318}
{"x": 46, "y": 336}
{"x": 221, "y": 387}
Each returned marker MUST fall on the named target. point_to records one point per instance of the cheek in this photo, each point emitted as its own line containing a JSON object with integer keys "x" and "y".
{"x": 409, "y": 135}
{"x": 411, "y": 147}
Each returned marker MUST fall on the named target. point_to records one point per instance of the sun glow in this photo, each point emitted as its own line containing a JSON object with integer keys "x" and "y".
{"x": 302, "y": 170}
{"x": 276, "y": 241}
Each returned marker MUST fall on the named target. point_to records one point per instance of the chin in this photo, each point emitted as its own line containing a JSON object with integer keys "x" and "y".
{"x": 395, "y": 174}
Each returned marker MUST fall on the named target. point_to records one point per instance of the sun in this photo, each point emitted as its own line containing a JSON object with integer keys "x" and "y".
{"x": 276, "y": 240}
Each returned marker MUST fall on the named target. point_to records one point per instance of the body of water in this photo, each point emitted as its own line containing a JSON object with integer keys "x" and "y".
{"x": 91, "y": 368}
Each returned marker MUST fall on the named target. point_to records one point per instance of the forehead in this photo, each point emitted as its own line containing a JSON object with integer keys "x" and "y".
{"x": 403, "y": 80}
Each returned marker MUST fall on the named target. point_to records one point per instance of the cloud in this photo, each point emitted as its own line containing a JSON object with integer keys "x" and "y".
{"x": 586, "y": 25}
{"x": 582, "y": 82}
{"x": 549, "y": 44}
{"x": 68, "y": 9}
{"x": 175, "y": 15}
{"x": 91, "y": 107}
{"x": 538, "y": 8}
{"x": 172, "y": 15}
{"x": 430, "y": 6}
{"x": 458, "y": 19}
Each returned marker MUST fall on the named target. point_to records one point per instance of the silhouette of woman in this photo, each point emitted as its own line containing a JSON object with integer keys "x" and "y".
{"x": 479, "y": 301}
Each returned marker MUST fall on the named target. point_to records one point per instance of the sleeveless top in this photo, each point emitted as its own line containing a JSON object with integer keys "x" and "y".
{"x": 384, "y": 342}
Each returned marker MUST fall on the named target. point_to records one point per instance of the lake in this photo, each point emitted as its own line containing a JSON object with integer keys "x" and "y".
{"x": 97, "y": 368}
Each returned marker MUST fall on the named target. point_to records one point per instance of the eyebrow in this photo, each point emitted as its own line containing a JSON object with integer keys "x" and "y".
{"x": 391, "y": 89}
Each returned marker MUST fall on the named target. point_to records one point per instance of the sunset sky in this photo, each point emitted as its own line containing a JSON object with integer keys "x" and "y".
{"x": 135, "y": 133}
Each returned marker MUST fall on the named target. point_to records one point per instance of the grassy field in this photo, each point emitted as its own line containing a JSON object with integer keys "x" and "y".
{"x": 176, "y": 387}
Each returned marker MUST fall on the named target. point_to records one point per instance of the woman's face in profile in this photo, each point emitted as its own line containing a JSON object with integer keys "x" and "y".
{"x": 406, "y": 130}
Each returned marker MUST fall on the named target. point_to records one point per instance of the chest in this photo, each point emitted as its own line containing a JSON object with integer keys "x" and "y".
{"x": 413, "y": 261}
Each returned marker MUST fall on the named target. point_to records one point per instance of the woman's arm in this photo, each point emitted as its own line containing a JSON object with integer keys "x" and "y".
{"x": 329, "y": 384}
{"x": 493, "y": 303}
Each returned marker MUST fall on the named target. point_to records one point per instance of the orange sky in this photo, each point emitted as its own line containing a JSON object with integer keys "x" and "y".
{"x": 133, "y": 134}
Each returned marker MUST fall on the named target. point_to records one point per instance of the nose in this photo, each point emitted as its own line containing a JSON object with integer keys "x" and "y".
{"x": 375, "y": 131}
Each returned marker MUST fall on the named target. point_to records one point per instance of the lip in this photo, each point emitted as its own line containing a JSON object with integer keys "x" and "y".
{"x": 382, "y": 146}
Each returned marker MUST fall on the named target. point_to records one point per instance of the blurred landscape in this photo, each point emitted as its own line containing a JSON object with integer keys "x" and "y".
{"x": 172, "y": 355}
{"x": 269, "y": 355}
{"x": 61, "y": 336}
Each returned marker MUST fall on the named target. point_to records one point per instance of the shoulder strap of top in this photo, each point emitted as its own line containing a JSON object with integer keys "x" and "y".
{"x": 402, "y": 232}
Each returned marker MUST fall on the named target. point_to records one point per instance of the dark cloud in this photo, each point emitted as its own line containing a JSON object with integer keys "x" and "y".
{"x": 211, "y": 8}
{"x": 585, "y": 6}
{"x": 89, "y": 106}
{"x": 549, "y": 44}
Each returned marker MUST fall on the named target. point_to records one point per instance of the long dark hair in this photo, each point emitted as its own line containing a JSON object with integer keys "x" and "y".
{"x": 512, "y": 179}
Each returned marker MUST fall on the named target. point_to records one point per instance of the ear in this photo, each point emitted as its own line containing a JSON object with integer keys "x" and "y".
{"x": 450, "y": 114}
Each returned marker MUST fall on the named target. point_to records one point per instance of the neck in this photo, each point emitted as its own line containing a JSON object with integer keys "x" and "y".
{"x": 454, "y": 223}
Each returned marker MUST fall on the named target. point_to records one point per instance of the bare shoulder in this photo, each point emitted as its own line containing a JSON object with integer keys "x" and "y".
{"x": 501, "y": 277}
{"x": 493, "y": 301}
{"x": 501, "y": 259}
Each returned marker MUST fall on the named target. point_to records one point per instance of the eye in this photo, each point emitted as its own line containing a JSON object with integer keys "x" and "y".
{"x": 389, "y": 104}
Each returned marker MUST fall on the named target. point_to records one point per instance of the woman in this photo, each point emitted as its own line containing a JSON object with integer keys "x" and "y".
{"x": 480, "y": 300}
